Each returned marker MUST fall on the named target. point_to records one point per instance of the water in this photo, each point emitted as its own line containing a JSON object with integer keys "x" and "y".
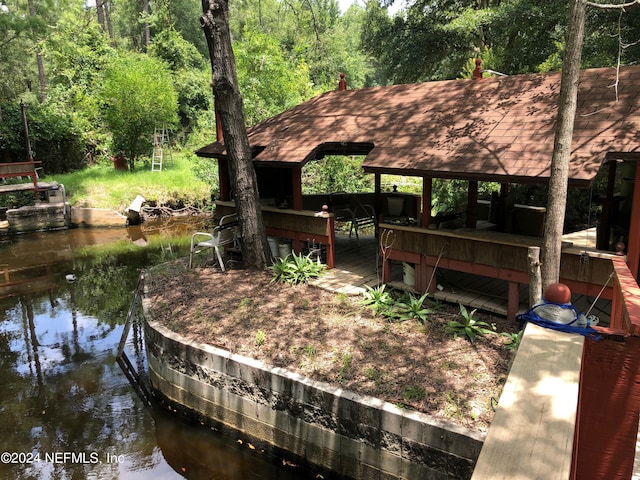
{"x": 67, "y": 410}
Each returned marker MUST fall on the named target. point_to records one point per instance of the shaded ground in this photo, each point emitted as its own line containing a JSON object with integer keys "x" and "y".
{"x": 332, "y": 338}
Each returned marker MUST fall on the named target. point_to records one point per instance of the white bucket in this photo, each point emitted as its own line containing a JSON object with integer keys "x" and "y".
{"x": 395, "y": 206}
{"x": 408, "y": 274}
{"x": 273, "y": 245}
{"x": 284, "y": 249}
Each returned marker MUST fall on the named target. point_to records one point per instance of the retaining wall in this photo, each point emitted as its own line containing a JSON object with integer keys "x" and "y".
{"x": 38, "y": 217}
{"x": 352, "y": 435}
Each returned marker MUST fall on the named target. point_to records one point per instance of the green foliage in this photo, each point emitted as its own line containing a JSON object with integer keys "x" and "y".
{"x": 378, "y": 299}
{"x": 451, "y": 195}
{"x": 205, "y": 170}
{"x": 413, "y": 309}
{"x": 260, "y": 338}
{"x": 296, "y": 268}
{"x": 335, "y": 174}
{"x": 414, "y": 392}
{"x": 101, "y": 186}
{"x": 138, "y": 95}
{"x": 405, "y": 307}
{"x": 345, "y": 369}
{"x": 513, "y": 339}
{"x": 434, "y": 39}
{"x": 55, "y": 137}
{"x": 269, "y": 80}
{"x": 469, "y": 327}
{"x": 190, "y": 74}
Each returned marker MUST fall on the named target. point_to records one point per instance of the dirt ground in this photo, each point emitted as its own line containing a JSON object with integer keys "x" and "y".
{"x": 333, "y": 338}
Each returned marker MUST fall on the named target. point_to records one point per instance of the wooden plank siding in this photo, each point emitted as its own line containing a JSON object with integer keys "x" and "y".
{"x": 491, "y": 254}
{"x": 605, "y": 444}
{"x": 300, "y": 226}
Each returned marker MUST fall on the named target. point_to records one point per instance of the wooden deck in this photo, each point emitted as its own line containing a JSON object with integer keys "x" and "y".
{"x": 357, "y": 265}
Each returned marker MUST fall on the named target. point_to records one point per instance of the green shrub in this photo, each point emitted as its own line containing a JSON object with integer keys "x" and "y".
{"x": 379, "y": 300}
{"x": 469, "y": 326}
{"x": 413, "y": 309}
{"x": 296, "y": 269}
{"x": 513, "y": 339}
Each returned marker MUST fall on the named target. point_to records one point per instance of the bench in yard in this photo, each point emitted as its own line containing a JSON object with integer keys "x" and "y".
{"x": 20, "y": 169}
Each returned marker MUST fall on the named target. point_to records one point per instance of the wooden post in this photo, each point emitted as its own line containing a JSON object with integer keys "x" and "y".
{"x": 633, "y": 247}
{"x": 513, "y": 300}
{"x": 427, "y": 188}
{"x": 377, "y": 196}
{"x": 535, "y": 278}
{"x": 224, "y": 181}
{"x": 297, "y": 188}
{"x": 472, "y": 204}
{"x": 604, "y": 229}
{"x": 331, "y": 243}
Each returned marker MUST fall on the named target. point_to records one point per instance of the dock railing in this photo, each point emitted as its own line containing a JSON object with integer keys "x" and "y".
{"x": 570, "y": 406}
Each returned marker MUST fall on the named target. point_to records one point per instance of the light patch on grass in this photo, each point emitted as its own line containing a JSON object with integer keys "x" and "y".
{"x": 102, "y": 186}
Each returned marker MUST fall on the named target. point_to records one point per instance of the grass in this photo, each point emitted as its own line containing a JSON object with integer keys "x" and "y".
{"x": 102, "y": 186}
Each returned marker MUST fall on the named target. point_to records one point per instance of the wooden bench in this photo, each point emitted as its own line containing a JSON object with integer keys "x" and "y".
{"x": 20, "y": 169}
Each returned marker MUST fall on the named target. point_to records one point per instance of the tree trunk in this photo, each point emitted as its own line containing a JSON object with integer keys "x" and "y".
{"x": 147, "y": 32}
{"x": 556, "y": 205}
{"x": 215, "y": 23}
{"x": 100, "y": 12}
{"x": 107, "y": 16}
{"x": 41, "y": 78}
{"x": 535, "y": 280}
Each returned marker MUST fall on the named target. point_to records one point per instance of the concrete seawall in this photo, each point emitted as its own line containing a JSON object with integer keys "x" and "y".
{"x": 355, "y": 436}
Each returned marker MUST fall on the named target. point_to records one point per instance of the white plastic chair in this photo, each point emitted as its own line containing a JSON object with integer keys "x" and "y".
{"x": 223, "y": 234}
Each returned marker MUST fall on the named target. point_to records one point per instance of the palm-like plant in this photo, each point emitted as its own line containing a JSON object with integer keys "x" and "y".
{"x": 414, "y": 309}
{"x": 469, "y": 326}
{"x": 296, "y": 269}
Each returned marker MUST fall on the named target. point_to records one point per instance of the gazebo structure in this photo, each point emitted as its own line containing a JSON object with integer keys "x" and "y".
{"x": 498, "y": 129}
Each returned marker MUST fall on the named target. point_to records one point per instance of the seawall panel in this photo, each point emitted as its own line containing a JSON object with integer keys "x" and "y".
{"x": 354, "y": 435}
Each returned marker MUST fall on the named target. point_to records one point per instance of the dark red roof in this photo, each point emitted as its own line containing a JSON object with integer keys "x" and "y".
{"x": 499, "y": 129}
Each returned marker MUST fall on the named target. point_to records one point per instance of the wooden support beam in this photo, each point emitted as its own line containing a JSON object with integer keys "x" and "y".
{"x": 297, "y": 187}
{"x": 224, "y": 180}
{"x": 604, "y": 228}
{"x": 513, "y": 300}
{"x": 633, "y": 248}
{"x": 377, "y": 199}
{"x": 427, "y": 192}
{"x": 472, "y": 204}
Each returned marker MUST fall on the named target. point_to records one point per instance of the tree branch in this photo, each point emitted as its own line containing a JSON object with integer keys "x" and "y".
{"x": 613, "y": 6}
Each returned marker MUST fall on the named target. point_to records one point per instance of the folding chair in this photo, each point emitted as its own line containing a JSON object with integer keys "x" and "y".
{"x": 223, "y": 234}
{"x": 363, "y": 216}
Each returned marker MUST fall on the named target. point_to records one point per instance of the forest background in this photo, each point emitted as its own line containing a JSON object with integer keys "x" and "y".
{"x": 96, "y": 80}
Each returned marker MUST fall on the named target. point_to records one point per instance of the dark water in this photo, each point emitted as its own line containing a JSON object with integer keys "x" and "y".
{"x": 67, "y": 411}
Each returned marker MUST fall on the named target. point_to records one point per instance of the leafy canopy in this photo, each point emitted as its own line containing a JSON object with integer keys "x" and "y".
{"x": 138, "y": 96}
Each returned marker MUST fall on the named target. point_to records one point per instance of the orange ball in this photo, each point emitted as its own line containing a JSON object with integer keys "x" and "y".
{"x": 557, "y": 293}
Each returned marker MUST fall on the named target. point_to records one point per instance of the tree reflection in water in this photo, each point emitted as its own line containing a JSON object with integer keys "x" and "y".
{"x": 68, "y": 411}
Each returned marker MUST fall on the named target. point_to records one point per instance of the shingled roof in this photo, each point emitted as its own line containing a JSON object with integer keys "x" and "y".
{"x": 498, "y": 129}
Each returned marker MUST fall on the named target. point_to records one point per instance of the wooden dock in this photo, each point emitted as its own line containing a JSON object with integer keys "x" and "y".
{"x": 25, "y": 187}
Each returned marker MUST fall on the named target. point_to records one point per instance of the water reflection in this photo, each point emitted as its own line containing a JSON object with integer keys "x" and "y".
{"x": 67, "y": 409}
